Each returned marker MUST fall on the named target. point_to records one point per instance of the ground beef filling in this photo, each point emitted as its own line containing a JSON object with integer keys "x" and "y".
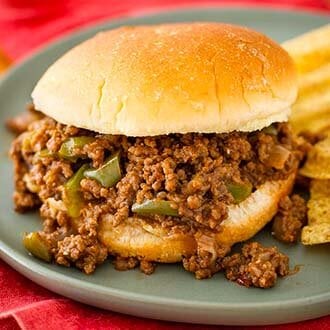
{"x": 290, "y": 218}
{"x": 190, "y": 171}
{"x": 256, "y": 266}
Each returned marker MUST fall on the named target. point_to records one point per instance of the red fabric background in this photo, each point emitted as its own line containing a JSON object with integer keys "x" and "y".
{"x": 27, "y": 24}
{"x": 24, "y": 26}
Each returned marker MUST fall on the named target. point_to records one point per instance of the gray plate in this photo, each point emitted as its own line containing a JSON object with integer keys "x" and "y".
{"x": 171, "y": 293}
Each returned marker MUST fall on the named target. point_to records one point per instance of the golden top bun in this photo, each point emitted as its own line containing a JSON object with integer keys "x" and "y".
{"x": 173, "y": 78}
{"x": 136, "y": 237}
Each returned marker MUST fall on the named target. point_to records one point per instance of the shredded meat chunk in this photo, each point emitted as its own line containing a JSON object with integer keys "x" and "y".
{"x": 203, "y": 265}
{"x": 207, "y": 260}
{"x": 83, "y": 252}
{"x": 24, "y": 198}
{"x": 290, "y": 218}
{"x": 256, "y": 266}
{"x": 72, "y": 243}
{"x": 125, "y": 263}
{"x": 146, "y": 267}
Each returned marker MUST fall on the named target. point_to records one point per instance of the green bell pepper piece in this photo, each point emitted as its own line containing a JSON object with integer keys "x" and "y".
{"x": 72, "y": 195}
{"x": 239, "y": 191}
{"x": 43, "y": 154}
{"x": 155, "y": 207}
{"x": 271, "y": 130}
{"x": 67, "y": 150}
{"x": 108, "y": 174}
{"x": 36, "y": 245}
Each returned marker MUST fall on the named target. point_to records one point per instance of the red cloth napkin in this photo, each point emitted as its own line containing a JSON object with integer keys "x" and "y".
{"x": 25, "y": 305}
{"x": 25, "y": 25}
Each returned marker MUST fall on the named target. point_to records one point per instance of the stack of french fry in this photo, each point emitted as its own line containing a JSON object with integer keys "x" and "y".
{"x": 311, "y": 112}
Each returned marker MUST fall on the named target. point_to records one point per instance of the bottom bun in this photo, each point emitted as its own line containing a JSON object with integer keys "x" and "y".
{"x": 136, "y": 237}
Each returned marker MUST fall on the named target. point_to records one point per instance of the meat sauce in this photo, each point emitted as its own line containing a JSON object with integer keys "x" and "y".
{"x": 192, "y": 172}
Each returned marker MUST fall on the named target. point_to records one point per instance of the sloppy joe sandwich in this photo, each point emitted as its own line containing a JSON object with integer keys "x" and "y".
{"x": 158, "y": 144}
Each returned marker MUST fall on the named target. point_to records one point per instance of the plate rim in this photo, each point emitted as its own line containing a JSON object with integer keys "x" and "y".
{"x": 39, "y": 269}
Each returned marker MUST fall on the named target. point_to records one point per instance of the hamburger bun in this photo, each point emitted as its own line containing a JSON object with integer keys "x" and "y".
{"x": 137, "y": 237}
{"x": 172, "y": 78}
{"x": 175, "y": 78}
